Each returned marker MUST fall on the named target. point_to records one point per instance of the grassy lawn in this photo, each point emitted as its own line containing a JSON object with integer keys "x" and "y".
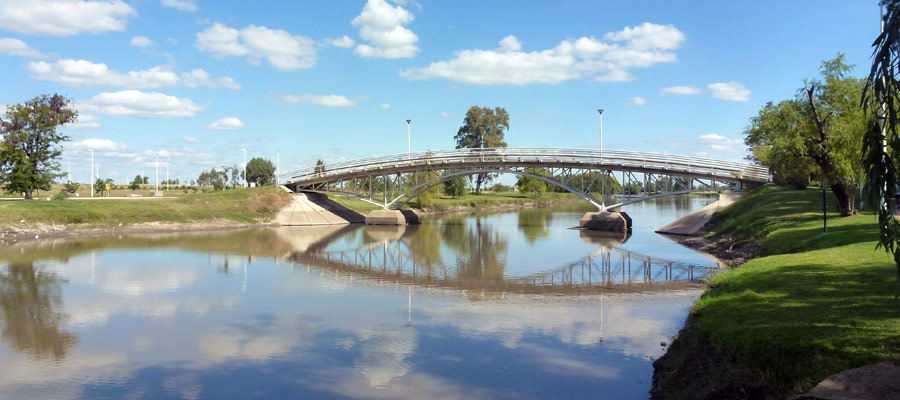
{"x": 442, "y": 202}
{"x": 810, "y": 304}
{"x": 244, "y": 205}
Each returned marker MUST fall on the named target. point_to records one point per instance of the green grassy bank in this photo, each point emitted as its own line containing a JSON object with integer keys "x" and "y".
{"x": 469, "y": 201}
{"x": 810, "y": 304}
{"x": 242, "y": 205}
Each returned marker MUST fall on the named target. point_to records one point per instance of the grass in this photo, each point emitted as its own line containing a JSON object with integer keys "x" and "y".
{"x": 244, "y": 205}
{"x": 443, "y": 203}
{"x": 810, "y": 304}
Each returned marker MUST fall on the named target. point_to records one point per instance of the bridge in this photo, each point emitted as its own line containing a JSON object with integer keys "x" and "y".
{"x": 397, "y": 179}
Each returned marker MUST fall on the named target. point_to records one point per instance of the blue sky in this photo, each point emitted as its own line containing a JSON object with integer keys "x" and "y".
{"x": 195, "y": 81}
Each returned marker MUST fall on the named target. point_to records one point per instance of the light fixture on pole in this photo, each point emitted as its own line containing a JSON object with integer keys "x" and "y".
{"x": 92, "y": 172}
{"x": 408, "y": 140}
{"x": 277, "y": 165}
{"x": 600, "y": 110}
{"x": 246, "y": 182}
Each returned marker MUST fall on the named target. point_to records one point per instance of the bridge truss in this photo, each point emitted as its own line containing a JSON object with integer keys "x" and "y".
{"x": 393, "y": 181}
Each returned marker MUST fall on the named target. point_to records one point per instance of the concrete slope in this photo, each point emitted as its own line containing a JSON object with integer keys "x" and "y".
{"x": 692, "y": 224}
{"x": 304, "y": 211}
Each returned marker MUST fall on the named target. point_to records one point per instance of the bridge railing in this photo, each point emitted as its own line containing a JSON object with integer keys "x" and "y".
{"x": 611, "y": 158}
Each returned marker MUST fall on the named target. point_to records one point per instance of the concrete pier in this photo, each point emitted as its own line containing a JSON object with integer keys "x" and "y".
{"x": 385, "y": 217}
{"x": 605, "y": 221}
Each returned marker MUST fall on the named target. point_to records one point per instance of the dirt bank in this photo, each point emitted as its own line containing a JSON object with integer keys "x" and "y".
{"x": 24, "y": 232}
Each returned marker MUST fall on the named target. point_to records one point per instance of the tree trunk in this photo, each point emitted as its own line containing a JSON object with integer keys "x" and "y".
{"x": 28, "y": 195}
{"x": 478, "y": 182}
{"x": 843, "y": 199}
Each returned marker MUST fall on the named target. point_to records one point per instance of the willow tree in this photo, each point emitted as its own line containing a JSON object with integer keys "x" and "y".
{"x": 483, "y": 128}
{"x": 28, "y": 149}
{"x": 881, "y": 145}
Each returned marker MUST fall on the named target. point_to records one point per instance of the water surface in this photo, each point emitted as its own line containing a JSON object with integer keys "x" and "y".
{"x": 508, "y": 305}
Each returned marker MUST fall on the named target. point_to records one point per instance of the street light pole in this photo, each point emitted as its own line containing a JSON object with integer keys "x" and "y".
{"x": 408, "y": 140}
{"x": 167, "y": 176}
{"x": 277, "y": 165}
{"x": 246, "y": 182}
{"x": 92, "y": 171}
{"x": 157, "y": 173}
{"x": 602, "y": 178}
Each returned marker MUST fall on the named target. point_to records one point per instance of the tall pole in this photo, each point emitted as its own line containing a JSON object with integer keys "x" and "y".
{"x": 70, "y": 172}
{"x": 602, "y": 177}
{"x": 92, "y": 172}
{"x": 277, "y": 165}
{"x": 167, "y": 176}
{"x": 157, "y": 173}
{"x": 246, "y": 182}
{"x": 408, "y": 140}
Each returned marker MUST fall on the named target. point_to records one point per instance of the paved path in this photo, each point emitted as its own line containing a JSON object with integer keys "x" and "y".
{"x": 879, "y": 381}
{"x": 692, "y": 224}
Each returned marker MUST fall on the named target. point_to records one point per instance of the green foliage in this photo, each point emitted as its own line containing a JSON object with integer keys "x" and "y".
{"x": 28, "y": 150}
{"x": 817, "y": 133}
{"x": 61, "y": 195}
{"x": 456, "y": 187}
{"x": 501, "y": 188}
{"x": 72, "y": 187}
{"x": 320, "y": 166}
{"x": 529, "y": 184}
{"x": 136, "y": 183}
{"x": 260, "y": 171}
{"x": 483, "y": 128}
{"x": 882, "y": 138}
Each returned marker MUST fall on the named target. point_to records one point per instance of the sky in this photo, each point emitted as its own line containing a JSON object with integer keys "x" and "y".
{"x": 193, "y": 82}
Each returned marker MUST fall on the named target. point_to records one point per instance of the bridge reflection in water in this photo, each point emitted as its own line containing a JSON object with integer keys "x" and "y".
{"x": 388, "y": 254}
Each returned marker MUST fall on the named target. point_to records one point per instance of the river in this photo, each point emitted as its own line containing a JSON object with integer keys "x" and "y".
{"x": 513, "y": 305}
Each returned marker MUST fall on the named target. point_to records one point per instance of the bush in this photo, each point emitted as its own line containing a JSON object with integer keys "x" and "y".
{"x": 72, "y": 187}
{"x": 62, "y": 195}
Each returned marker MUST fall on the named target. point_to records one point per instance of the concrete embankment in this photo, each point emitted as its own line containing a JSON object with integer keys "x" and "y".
{"x": 316, "y": 209}
{"x": 692, "y": 224}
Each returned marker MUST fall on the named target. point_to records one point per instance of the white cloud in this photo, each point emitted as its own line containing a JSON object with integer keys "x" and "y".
{"x": 445, "y": 114}
{"x": 282, "y": 49}
{"x": 200, "y": 78}
{"x": 686, "y": 90}
{"x": 183, "y": 5}
{"x": 343, "y": 42}
{"x": 83, "y": 73}
{"x": 64, "y": 17}
{"x": 141, "y": 41}
{"x": 190, "y": 139}
{"x": 606, "y": 60}
{"x": 636, "y": 102}
{"x": 381, "y": 24}
{"x": 321, "y": 100}
{"x": 96, "y": 145}
{"x": 137, "y": 104}
{"x": 16, "y": 47}
{"x": 86, "y": 121}
{"x": 226, "y": 124}
{"x": 713, "y": 136}
{"x": 731, "y": 91}
{"x": 385, "y": 106}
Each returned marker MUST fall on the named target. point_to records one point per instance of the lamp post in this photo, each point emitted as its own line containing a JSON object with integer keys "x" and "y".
{"x": 167, "y": 176}
{"x": 246, "y": 182}
{"x": 92, "y": 172}
{"x": 277, "y": 165}
{"x": 408, "y": 140}
{"x": 602, "y": 178}
{"x": 157, "y": 173}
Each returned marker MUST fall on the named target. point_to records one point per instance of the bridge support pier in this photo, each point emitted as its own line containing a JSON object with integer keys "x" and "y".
{"x": 392, "y": 217}
{"x": 605, "y": 221}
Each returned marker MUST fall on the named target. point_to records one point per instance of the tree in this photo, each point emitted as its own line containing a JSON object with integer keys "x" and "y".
{"x": 72, "y": 187}
{"x": 456, "y": 187}
{"x": 529, "y": 184}
{"x": 881, "y": 141}
{"x": 320, "y": 166}
{"x": 28, "y": 151}
{"x": 818, "y": 132}
{"x": 136, "y": 183}
{"x": 484, "y": 128}
{"x": 261, "y": 171}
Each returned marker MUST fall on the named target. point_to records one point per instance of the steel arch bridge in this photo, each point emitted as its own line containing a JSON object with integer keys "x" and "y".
{"x": 397, "y": 179}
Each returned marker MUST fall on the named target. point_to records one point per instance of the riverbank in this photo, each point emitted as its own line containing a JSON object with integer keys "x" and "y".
{"x": 215, "y": 210}
{"x": 472, "y": 203}
{"x": 807, "y": 305}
